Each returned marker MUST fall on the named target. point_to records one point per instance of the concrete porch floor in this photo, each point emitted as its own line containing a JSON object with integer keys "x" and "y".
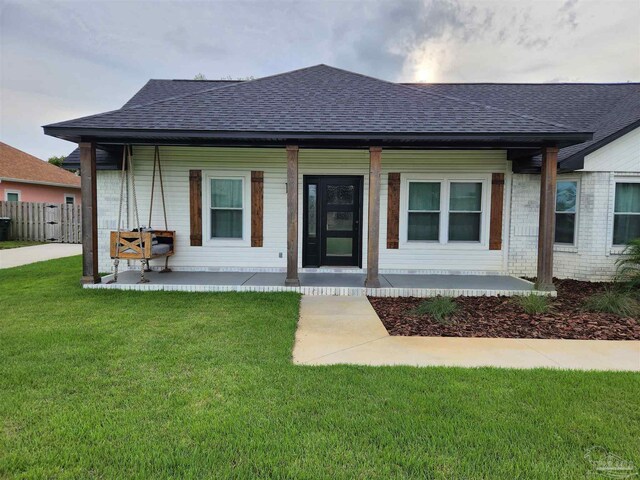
{"x": 323, "y": 283}
{"x": 348, "y": 331}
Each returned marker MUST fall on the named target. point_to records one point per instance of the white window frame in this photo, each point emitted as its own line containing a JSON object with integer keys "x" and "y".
{"x": 619, "y": 248}
{"x": 246, "y": 209}
{"x": 17, "y": 192}
{"x": 445, "y": 181}
{"x": 439, "y": 211}
{"x": 69, "y": 195}
{"x": 574, "y": 245}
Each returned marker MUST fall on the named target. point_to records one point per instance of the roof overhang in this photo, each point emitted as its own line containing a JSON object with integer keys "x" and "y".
{"x": 37, "y": 182}
{"x": 576, "y": 161}
{"x": 320, "y": 139}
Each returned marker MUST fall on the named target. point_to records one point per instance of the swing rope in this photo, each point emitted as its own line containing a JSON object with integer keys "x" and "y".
{"x": 122, "y": 179}
{"x": 156, "y": 161}
{"x": 128, "y": 176}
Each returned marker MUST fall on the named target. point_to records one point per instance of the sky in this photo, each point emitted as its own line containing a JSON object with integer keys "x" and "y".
{"x": 65, "y": 59}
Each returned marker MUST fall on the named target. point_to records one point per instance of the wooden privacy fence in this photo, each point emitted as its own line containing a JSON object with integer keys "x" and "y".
{"x": 43, "y": 222}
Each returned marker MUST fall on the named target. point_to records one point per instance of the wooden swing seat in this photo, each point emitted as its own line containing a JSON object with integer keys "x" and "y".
{"x": 147, "y": 244}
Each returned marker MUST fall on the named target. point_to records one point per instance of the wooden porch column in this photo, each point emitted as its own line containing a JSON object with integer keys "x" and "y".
{"x": 373, "y": 235}
{"x": 546, "y": 229}
{"x": 89, "y": 213}
{"x": 292, "y": 279}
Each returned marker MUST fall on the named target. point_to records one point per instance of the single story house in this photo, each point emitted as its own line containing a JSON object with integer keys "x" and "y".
{"x": 321, "y": 168}
{"x": 25, "y": 178}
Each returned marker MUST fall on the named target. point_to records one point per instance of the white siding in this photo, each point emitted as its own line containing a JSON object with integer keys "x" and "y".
{"x": 177, "y": 161}
{"x": 451, "y": 258}
{"x": 621, "y": 155}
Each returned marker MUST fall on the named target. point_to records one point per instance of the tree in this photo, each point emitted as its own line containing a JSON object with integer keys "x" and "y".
{"x": 241, "y": 79}
{"x": 200, "y": 76}
{"x": 57, "y": 161}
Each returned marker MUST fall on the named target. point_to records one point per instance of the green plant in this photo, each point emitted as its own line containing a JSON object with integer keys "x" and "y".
{"x": 533, "y": 303}
{"x": 57, "y": 161}
{"x": 440, "y": 308}
{"x": 616, "y": 301}
{"x": 628, "y": 266}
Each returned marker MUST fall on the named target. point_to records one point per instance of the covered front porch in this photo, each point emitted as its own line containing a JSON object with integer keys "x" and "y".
{"x": 323, "y": 283}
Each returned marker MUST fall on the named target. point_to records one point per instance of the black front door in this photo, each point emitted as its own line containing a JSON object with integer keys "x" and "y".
{"x": 332, "y": 222}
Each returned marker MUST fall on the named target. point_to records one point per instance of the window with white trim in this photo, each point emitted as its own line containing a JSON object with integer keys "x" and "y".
{"x": 423, "y": 220}
{"x": 69, "y": 199}
{"x": 445, "y": 210}
{"x": 566, "y": 211}
{"x": 465, "y": 211}
{"x": 226, "y": 208}
{"x": 626, "y": 213}
{"x": 12, "y": 195}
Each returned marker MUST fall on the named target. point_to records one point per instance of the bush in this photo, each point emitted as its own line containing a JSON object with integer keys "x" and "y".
{"x": 628, "y": 266}
{"x": 618, "y": 302}
{"x": 440, "y": 308}
{"x": 533, "y": 303}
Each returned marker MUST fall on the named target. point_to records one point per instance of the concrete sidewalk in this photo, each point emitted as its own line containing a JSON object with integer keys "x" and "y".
{"x": 14, "y": 257}
{"x": 347, "y": 330}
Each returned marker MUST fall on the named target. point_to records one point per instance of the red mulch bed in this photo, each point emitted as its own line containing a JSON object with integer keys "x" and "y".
{"x": 502, "y": 317}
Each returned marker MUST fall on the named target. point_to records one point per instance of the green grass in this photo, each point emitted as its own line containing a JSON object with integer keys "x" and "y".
{"x": 5, "y": 245}
{"x": 617, "y": 301}
{"x": 108, "y": 384}
{"x": 533, "y": 304}
{"x": 440, "y": 308}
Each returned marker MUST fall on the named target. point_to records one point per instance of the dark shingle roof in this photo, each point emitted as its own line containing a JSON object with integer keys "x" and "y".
{"x": 155, "y": 90}
{"x": 600, "y": 108}
{"x": 105, "y": 160}
{"x": 327, "y": 99}
{"x": 318, "y": 99}
{"x": 152, "y": 91}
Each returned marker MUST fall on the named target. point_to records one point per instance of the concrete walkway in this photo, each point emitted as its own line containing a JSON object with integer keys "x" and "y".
{"x": 347, "y": 330}
{"x": 14, "y": 257}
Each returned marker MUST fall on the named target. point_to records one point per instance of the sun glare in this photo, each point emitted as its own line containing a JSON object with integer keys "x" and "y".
{"x": 424, "y": 73}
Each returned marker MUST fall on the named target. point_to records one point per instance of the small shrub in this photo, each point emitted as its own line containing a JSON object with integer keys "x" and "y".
{"x": 533, "y": 304}
{"x": 628, "y": 266}
{"x": 440, "y": 308}
{"x": 618, "y": 302}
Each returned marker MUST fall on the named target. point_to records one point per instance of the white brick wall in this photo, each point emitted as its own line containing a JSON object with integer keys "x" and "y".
{"x": 593, "y": 257}
{"x": 108, "y": 189}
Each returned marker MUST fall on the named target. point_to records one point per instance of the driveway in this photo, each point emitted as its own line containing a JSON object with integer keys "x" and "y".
{"x": 14, "y": 257}
{"x": 347, "y": 330}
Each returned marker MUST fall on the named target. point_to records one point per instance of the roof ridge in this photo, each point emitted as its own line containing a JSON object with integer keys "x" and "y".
{"x": 521, "y": 83}
{"x": 469, "y": 102}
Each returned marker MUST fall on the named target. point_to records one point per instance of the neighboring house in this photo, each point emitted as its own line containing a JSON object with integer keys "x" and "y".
{"x": 321, "y": 167}
{"x": 25, "y": 178}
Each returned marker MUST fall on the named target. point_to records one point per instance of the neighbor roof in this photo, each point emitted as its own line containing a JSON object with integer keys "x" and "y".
{"x": 315, "y": 102}
{"x": 16, "y": 165}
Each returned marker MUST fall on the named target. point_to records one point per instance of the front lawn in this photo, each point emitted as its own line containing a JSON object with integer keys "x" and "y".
{"x": 109, "y": 384}
{"x": 7, "y": 244}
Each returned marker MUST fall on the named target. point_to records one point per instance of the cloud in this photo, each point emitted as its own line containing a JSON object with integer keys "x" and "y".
{"x": 59, "y": 59}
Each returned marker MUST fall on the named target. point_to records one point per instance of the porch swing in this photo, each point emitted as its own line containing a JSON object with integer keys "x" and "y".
{"x": 141, "y": 243}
